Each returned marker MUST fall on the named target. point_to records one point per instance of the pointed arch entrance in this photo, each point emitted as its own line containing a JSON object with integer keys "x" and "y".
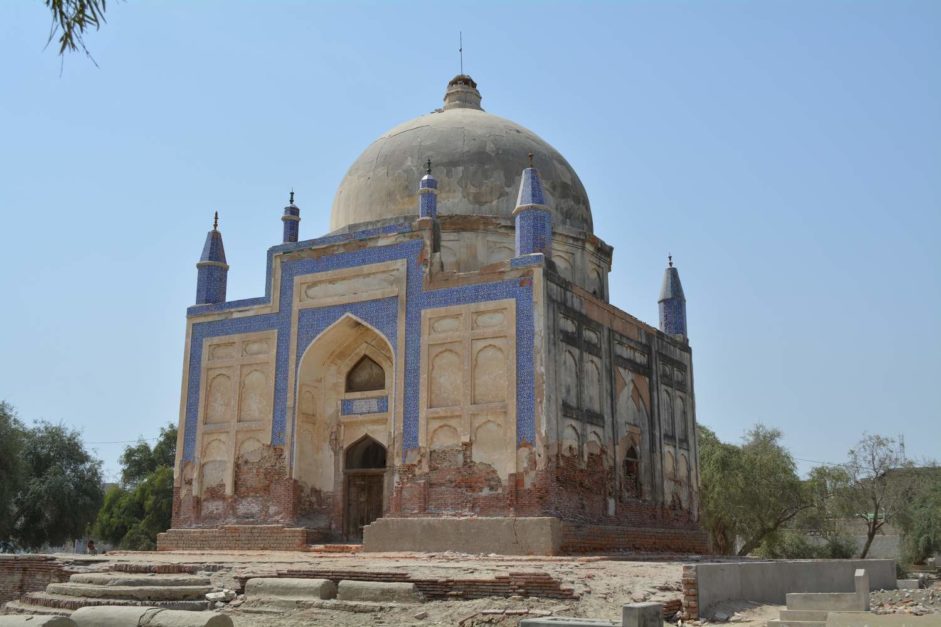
{"x": 344, "y": 405}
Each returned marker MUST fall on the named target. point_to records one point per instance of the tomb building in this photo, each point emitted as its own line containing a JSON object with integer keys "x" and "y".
{"x": 446, "y": 351}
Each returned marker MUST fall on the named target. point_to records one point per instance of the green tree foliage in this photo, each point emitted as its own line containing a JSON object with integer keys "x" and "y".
{"x": 136, "y": 511}
{"x": 61, "y": 491}
{"x": 12, "y": 469}
{"x": 875, "y": 485}
{"x": 750, "y": 491}
{"x": 921, "y": 522}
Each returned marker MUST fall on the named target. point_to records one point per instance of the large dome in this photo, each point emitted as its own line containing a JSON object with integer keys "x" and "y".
{"x": 477, "y": 158}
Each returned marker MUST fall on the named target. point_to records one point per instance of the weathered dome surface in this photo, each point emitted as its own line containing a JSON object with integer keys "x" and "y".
{"x": 478, "y": 159}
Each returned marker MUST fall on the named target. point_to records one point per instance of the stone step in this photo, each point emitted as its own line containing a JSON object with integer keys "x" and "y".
{"x": 796, "y": 623}
{"x": 67, "y": 604}
{"x": 139, "y": 579}
{"x": 335, "y": 548}
{"x": 134, "y": 593}
{"x": 18, "y": 607}
{"x": 805, "y": 615}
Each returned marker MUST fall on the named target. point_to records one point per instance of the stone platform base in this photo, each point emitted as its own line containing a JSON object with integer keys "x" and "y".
{"x": 235, "y": 537}
{"x": 503, "y": 536}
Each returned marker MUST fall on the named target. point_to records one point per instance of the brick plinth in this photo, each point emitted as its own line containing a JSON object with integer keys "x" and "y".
{"x": 584, "y": 538}
{"x": 20, "y": 574}
{"x": 235, "y": 537}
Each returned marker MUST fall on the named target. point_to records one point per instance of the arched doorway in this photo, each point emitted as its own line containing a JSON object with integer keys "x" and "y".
{"x": 364, "y": 469}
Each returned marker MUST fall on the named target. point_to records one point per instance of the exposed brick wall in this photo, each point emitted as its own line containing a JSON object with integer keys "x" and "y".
{"x": 235, "y": 537}
{"x": 584, "y": 538}
{"x": 690, "y": 593}
{"x": 20, "y": 574}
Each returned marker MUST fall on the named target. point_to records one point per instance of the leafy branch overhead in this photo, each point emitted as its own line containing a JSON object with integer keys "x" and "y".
{"x": 70, "y": 21}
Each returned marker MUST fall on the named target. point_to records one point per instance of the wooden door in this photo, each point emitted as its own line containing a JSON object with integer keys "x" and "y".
{"x": 363, "y": 502}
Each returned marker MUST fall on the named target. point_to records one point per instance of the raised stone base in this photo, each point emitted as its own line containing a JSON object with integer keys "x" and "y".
{"x": 504, "y": 536}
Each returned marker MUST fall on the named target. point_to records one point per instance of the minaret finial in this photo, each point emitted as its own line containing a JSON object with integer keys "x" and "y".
{"x": 215, "y": 222}
{"x": 428, "y": 166}
{"x": 292, "y": 196}
{"x": 530, "y": 159}
{"x": 670, "y": 259}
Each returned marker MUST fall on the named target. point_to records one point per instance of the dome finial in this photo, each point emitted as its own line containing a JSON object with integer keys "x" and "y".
{"x": 428, "y": 166}
{"x": 215, "y": 222}
{"x": 530, "y": 159}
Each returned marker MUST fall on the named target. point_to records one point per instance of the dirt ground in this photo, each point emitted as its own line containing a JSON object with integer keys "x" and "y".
{"x": 602, "y": 586}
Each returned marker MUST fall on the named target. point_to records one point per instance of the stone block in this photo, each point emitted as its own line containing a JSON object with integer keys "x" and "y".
{"x": 830, "y": 601}
{"x": 34, "y": 620}
{"x": 503, "y": 535}
{"x": 907, "y": 584}
{"x": 642, "y": 615}
{"x": 114, "y": 616}
{"x": 291, "y": 589}
{"x": 378, "y": 592}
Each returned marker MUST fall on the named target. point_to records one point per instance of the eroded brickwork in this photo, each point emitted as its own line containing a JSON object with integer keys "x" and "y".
{"x": 20, "y": 574}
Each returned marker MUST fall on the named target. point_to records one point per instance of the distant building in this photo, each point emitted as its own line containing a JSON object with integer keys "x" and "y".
{"x": 448, "y": 350}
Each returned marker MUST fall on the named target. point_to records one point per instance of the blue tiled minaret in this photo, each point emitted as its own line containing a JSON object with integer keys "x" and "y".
{"x": 292, "y": 221}
{"x": 533, "y": 220}
{"x": 672, "y": 302}
{"x": 212, "y": 270}
{"x": 428, "y": 194}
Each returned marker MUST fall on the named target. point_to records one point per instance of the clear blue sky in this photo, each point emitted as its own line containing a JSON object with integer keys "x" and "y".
{"x": 787, "y": 153}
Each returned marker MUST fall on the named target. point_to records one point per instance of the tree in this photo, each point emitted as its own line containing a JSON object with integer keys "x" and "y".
{"x": 136, "y": 511}
{"x": 921, "y": 524}
{"x": 62, "y": 491}
{"x": 12, "y": 469}
{"x": 71, "y": 19}
{"x": 877, "y": 483}
{"x": 750, "y": 491}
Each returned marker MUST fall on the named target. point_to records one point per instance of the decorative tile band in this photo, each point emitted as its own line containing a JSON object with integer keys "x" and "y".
{"x": 359, "y": 406}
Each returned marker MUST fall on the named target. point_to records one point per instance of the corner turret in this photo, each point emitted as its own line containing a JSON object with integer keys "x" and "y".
{"x": 533, "y": 218}
{"x": 672, "y": 302}
{"x": 212, "y": 270}
{"x": 292, "y": 221}
{"x": 428, "y": 194}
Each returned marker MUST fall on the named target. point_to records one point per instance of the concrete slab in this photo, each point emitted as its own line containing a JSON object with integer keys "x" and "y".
{"x": 867, "y": 619}
{"x": 503, "y": 536}
{"x": 35, "y": 620}
{"x": 145, "y": 579}
{"x": 907, "y": 584}
{"x": 109, "y": 616}
{"x": 378, "y": 592}
{"x": 556, "y": 621}
{"x": 805, "y": 615}
{"x": 642, "y": 615}
{"x": 830, "y": 601}
{"x": 137, "y": 593}
{"x": 289, "y": 589}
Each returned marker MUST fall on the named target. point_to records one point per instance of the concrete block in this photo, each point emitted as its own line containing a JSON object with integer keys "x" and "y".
{"x": 861, "y": 580}
{"x": 503, "y": 535}
{"x": 34, "y": 620}
{"x": 830, "y": 601}
{"x": 642, "y": 615}
{"x": 558, "y": 621}
{"x": 867, "y": 619}
{"x": 378, "y": 592}
{"x": 133, "y": 593}
{"x": 113, "y": 616}
{"x": 907, "y": 584}
{"x": 804, "y": 615}
{"x": 291, "y": 589}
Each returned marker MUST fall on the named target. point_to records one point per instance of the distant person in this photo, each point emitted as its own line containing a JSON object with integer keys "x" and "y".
{"x": 90, "y": 548}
